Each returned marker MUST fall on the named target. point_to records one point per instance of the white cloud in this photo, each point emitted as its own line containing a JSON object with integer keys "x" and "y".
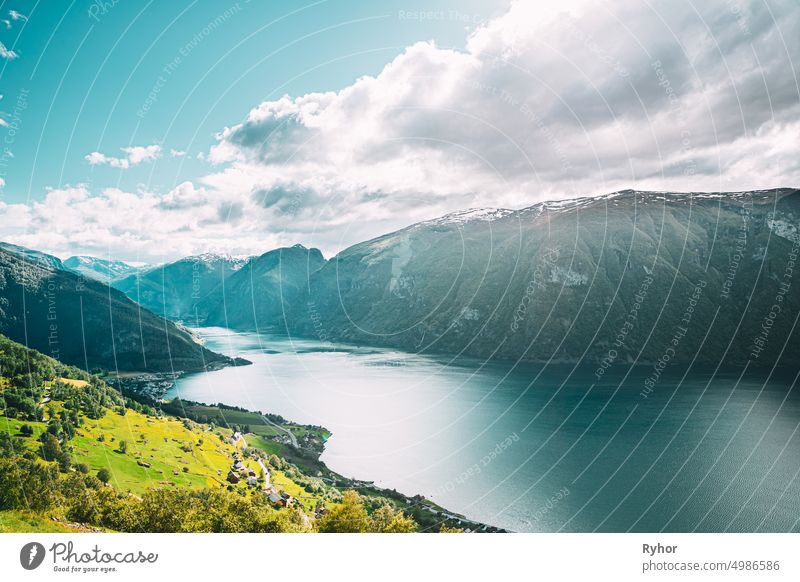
{"x": 139, "y": 154}
{"x": 569, "y": 99}
{"x": 6, "y": 53}
{"x": 177, "y": 153}
{"x": 137, "y": 225}
{"x": 135, "y": 155}
{"x": 97, "y": 159}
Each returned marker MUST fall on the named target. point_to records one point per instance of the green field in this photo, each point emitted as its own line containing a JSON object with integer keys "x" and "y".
{"x": 177, "y": 456}
{"x": 232, "y": 416}
{"x": 12, "y": 427}
{"x": 28, "y": 522}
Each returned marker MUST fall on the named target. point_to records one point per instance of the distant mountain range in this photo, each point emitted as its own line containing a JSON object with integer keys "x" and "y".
{"x": 632, "y": 276}
{"x": 83, "y": 322}
{"x": 175, "y": 290}
{"x": 102, "y": 270}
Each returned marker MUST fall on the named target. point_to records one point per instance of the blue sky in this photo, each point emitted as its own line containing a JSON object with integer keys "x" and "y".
{"x": 89, "y": 71}
{"x": 148, "y": 131}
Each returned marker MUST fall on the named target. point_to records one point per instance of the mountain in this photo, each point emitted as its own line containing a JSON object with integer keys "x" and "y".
{"x": 633, "y": 276}
{"x": 32, "y": 256}
{"x": 101, "y": 270}
{"x": 256, "y": 296}
{"x": 85, "y": 323}
{"x": 174, "y": 290}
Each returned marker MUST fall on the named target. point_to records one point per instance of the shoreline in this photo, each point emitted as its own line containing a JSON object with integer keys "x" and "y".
{"x": 305, "y": 454}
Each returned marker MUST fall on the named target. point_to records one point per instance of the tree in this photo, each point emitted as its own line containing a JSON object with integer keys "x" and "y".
{"x": 123, "y": 447}
{"x": 64, "y": 460}
{"x": 104, "y": 475}
{"x": 349, "y": 517}
{"x": 26, "y": 429}
{"x": 50, "y": 447}
{"x": 27, "y": 484}
{"x": 387, "y": 519}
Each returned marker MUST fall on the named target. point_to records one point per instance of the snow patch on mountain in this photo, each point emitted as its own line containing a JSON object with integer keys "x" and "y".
{"x": 567, "y": 277}
{"x": 784, "y": 227}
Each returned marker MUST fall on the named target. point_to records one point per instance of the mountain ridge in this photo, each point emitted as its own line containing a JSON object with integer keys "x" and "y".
{"x": 174, "y": 289}
{"x": 86, "y": 323}
{"x": 571, "y": 260}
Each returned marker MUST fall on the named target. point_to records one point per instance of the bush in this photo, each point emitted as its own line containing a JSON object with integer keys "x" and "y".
{"x": 50, "y": 448}
{"x": 64, "y": 460}
{"x": 351, "y": 517}
{"x": 28, "y": 484}
{"x": 104, "y": 475}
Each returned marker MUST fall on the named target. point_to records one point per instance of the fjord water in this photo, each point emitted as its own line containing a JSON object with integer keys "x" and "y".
{"x": 534, "y": 448}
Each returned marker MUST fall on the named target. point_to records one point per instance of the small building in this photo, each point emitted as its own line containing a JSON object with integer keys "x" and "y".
{"x": 275, "y": 499}
{"x": 252, "y": 482}
{"x": 233, "y": 478}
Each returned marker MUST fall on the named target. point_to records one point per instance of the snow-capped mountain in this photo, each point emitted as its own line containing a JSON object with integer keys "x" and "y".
{"x": 174, "y": 290}
{"x": 102, "y": 270}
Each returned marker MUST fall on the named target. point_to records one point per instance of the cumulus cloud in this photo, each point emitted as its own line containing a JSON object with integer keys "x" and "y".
{"x": 550, "y": 102}
{"x": 574, "y": 98}
{"x": 7, "y": 53}
{"x": 140, "y": 225}
{"x": 134, "y": 156}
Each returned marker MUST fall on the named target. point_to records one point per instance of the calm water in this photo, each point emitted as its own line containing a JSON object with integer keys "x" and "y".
{"x": 532, "y": 448}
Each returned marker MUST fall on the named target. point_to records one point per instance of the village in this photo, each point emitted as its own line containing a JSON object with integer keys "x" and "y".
{"x": 260, "y": 480}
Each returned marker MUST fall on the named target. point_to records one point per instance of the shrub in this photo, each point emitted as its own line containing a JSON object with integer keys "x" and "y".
{"x": 104, "y": 475}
